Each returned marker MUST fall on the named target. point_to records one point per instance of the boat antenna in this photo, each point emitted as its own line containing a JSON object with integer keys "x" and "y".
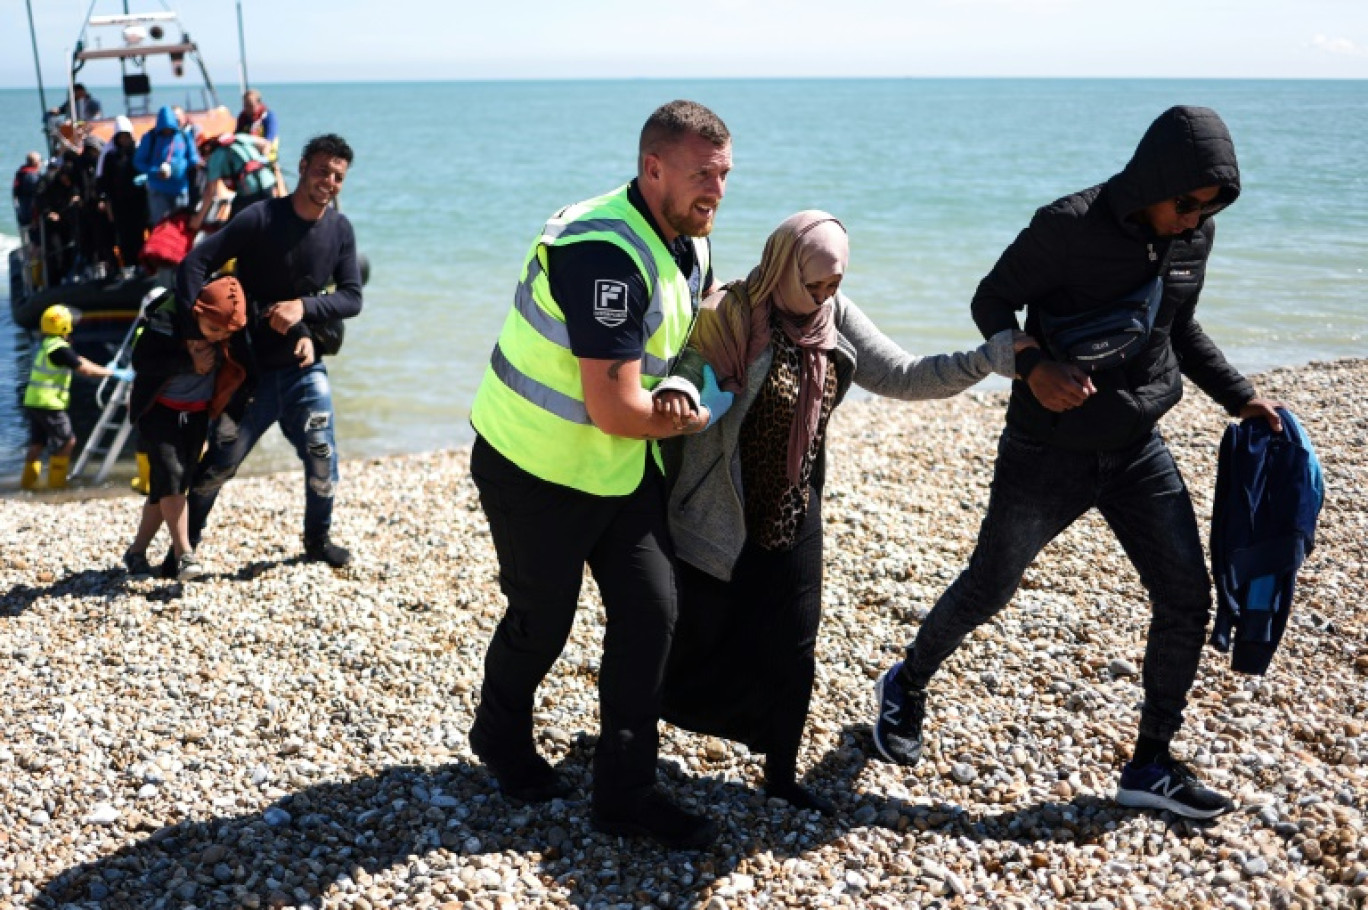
{"x": 242, "y": 53}
{"x": 33, "y": 36}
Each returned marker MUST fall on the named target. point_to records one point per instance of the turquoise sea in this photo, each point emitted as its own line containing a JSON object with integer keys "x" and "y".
{"x": 932, "y": 178}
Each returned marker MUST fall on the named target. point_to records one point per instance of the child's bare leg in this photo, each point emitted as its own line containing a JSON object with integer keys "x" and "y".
{"x": 147, "y": 527}
{"x": 177, "y": 523}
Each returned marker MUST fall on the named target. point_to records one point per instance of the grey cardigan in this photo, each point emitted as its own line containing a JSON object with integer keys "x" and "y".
{"x": 707, "y": 517}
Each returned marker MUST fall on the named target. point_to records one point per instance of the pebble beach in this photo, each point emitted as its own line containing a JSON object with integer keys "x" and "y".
{"x": 279, "y": 734}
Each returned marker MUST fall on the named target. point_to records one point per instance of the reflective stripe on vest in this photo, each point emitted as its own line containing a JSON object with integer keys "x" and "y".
{"x": 530, "y": 404}
{"x": 49, "y": 386}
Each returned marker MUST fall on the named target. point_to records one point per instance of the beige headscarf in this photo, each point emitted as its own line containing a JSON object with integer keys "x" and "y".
{"x": 734, "y": 325}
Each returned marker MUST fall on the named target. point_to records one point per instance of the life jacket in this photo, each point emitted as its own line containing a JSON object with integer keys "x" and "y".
{"x": 248, "y": 162}
{"x": 49, "y": 385}
{"x": 530, "y": 403}
{"x": 1269, "y": 491}
{"x": 167, "y": 242}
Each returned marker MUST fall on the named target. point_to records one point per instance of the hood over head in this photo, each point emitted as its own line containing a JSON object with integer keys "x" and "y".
{"x": 1184, "y": 149}
{"x": 166, "y": 118}
{"x": 123, "y": 125}
{"x": 223, "y": 302}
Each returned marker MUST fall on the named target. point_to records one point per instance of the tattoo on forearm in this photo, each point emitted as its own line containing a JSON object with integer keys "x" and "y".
{"x": 616, "y": 367}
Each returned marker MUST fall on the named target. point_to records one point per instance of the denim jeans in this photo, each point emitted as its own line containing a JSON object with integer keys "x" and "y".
{"x": 1037, "y": 492}
{"x": 301, "y": 402}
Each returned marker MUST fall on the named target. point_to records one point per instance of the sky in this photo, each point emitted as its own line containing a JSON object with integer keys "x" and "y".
{"x": 407, "y": 40}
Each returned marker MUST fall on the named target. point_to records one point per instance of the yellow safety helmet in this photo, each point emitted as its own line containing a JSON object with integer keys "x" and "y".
{"x": 56, "y": 320}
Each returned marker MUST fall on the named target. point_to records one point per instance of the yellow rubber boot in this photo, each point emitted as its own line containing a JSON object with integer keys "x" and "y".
{"x": 143, "y": 482}
{"x": 57, "y": 471}
{"x": 28, "y": 480}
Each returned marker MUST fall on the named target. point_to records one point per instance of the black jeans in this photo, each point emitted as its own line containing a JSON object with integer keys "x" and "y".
{"x": 544, "y": 535}
{"x": 1040, "y": 490}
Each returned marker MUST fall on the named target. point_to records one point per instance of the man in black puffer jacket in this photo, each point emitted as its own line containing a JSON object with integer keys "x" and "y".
{"x": 1078, "y": 437}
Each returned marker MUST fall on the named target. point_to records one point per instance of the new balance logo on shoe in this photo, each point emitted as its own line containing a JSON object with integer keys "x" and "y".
{"x": 1170, "y": 785}
{"x": 898, "y": 729}
{"x": 1167, "y": 786}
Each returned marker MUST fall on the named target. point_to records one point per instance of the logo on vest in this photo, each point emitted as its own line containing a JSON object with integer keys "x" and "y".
{"x": 610, "y": 303}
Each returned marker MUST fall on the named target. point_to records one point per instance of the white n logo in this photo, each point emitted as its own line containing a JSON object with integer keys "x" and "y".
{"x": 1166, "y": 786}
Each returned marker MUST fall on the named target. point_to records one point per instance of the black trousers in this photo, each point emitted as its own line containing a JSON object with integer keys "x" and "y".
{"x": 544, "y": 535}
{"x": 744, "y": 658}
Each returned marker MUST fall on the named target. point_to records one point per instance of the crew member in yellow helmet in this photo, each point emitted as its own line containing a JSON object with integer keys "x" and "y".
{"x": 568, "y": 475}
{"x": 48, "y": 395}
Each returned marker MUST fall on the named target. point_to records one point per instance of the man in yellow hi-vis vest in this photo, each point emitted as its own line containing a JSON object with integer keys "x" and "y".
{"x": 48, "y": 395}
{"x": 569, "y": 475}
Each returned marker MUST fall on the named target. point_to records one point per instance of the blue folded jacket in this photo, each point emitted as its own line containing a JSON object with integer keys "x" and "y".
{"x": 1269, "y": 491}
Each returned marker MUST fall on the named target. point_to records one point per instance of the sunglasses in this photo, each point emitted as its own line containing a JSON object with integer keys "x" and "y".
{"x": 1190, "y": 205}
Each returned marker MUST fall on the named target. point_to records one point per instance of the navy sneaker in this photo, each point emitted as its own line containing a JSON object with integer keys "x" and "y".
{"x": 898, "y": 728}
{"x": 1169, "y": 784}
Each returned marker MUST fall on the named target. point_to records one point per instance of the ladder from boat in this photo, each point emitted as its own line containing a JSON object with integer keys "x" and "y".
{"x": 114, "y": 426}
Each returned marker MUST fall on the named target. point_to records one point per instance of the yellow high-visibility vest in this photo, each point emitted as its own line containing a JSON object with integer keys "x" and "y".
{"x": 49, "y": 386}
{"x": 530, "y": 403}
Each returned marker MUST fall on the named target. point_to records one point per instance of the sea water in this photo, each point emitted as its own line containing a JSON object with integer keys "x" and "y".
{"x": 931, "y": 177}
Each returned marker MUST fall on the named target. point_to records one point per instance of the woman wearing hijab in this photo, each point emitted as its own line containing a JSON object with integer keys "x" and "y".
{"x": 745, "y": 503}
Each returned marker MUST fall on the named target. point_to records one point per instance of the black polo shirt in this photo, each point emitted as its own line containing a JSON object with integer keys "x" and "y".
{"x": 580, "y": 272}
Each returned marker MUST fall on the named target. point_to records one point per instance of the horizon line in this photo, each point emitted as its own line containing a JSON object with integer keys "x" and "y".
{"x": 769, "y": 78}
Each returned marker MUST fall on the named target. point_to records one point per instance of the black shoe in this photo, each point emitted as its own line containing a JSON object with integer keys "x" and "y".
{"x": 654, "y": 815}
{"x": 799, "y": 797}
{"x": 1169, "y": 784}
{"x": 529, "y": 779}
{"x": 137, "y": 564}
{"x": 167, "y": 569}
{"x": 324, "y": 550}
{"x": 898, "y": 728}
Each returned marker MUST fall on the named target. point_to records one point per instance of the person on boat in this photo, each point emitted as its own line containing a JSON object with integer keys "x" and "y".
{"x": 49, "y": 394}
{"x": 289, "y": 251}
{"x": 1091, "y": 269}
{"x": 125, "y": 198}
{"x": 25, "y": 193}
{"x": 746, "y": 498}
{"x": 182, "y": 382}
{"x": 568, "y": 476}
{"x": 194, "y": 172}
{"x": 256, "y": 119}
{"x": 95, "y": 227}
{"x": 88, "y": 107}
{"x": 58, "y": 217}
{"x": 236, "y": 163}
{"x": 165, "y": 155}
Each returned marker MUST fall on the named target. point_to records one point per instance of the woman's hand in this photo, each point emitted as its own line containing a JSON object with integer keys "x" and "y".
{"x": 676, "y": 406}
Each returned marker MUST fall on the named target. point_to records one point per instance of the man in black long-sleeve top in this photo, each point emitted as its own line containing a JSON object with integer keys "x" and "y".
{"x": 1081, "y": 431}
{"x": 289, "y": 252}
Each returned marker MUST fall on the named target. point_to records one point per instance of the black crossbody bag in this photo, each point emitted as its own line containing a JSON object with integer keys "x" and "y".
{"x": 1106, "y": 337}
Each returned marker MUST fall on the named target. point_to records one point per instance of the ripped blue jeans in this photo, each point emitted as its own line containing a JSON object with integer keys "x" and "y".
{"x": 301, "y": 402}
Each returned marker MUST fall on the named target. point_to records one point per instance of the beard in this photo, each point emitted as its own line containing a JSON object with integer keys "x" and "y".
{"x": 682, "y": 219}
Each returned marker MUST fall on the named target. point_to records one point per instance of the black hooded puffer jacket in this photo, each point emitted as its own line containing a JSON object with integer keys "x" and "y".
{"x": 1087, "y": 250}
